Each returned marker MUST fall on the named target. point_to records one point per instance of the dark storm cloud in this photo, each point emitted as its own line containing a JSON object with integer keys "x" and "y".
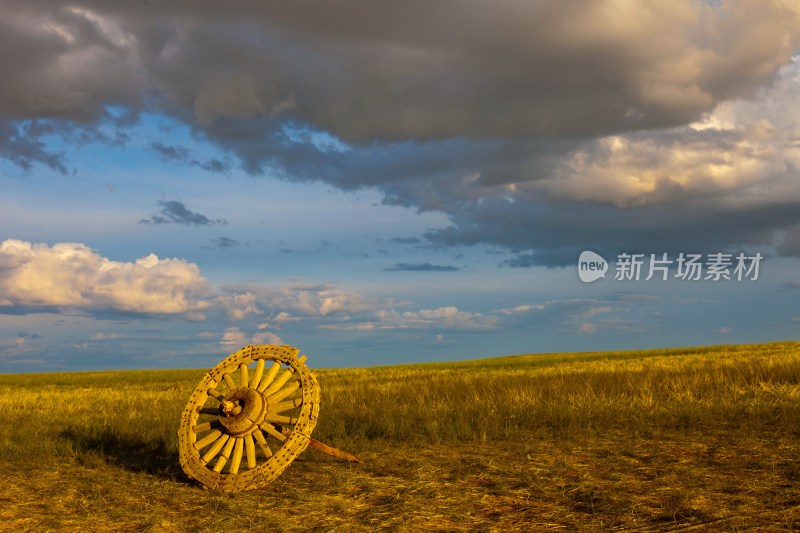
{"x": 557, "y": 234}
{"x": 25, "y": 150}
{"x": 421, "y": 267}
{"x": 225, "y": 242}
{"x": 181, "y": 154}
{"x": 541, "y": 127}
{"x": 405, "y": 240}
{"x": 24, "y": 143}
{"x": 790, "y": 242}
{"x": 169, "y": 152}
{"x": 174, "y": 212}
{"x": 412, "y": 70}
{"x": 22, "y": 310}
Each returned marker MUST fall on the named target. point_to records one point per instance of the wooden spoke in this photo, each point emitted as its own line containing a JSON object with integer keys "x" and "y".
{"x": 217, "y": 395}
{"x": 273, "y": 371}
{"x": 229, "y": 381}
{"x": 283, "y": 393}
{"x": 262, "y": 443}
{"x": 245, "y": 376}
{"x": 279, "y": 382}
{"x": 285, "y": 406}
{"x": 236, "y": 460}
{"x": 208, "y": 439}
{"x": 280, "y": 419}
{"x": 257, "y": 376}
{"x": 215, "y": 448}
{"x": 225, "y": 455}
{"x": 208, "y": 410}
{"x": 269, "y": 428}
{"x": 205, "y": 426}
{"x": 250, "y": 448}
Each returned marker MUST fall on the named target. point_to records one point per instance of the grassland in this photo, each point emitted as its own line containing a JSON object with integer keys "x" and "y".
{"x": 703, "y": 439}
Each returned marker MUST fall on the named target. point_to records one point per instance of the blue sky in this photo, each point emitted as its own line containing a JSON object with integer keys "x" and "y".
{"x": 378, "y": 184}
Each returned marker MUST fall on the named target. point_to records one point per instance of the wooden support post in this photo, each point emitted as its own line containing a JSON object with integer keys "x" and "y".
{"x": 333, "y": 452}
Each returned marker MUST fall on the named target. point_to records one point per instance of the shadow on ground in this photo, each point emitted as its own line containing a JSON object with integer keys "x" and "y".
{"x": 133, "y": 453}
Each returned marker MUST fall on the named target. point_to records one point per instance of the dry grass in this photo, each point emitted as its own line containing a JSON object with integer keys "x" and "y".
{"x": 703, "y": 439}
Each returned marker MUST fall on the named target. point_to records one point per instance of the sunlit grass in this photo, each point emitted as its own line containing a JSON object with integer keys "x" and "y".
{"x": 700, "y": 406}
{"x": 568, "y": 395}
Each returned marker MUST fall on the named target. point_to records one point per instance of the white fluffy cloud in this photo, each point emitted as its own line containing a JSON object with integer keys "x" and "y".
{"x": 241, "y": 305}
{"x": 509, "y": 311}
{"x": 443, "y": 317}
{"x": 235, "y": 337}
{"x": 741, "y": 152}
{"x": 290, "y": 303}
{"x": 266, "y": 337}
{"x": 73, "y": 275}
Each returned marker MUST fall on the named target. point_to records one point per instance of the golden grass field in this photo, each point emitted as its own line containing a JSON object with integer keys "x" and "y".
{"x": 695, "y": 439}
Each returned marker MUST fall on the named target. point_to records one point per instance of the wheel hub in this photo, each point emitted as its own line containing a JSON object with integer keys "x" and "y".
{"x": 242, "y": 410}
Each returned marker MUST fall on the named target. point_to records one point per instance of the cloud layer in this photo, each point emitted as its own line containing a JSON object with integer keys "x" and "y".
{"x": 541, "y": 127}
{"x": 71, "y": 276}
{"x": 508, "y": 69}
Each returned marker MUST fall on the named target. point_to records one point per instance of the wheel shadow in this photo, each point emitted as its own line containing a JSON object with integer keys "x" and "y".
{"x": 154, "y": 457}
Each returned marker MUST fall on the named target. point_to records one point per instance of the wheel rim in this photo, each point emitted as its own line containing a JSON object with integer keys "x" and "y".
{"x": 249, "y": 417}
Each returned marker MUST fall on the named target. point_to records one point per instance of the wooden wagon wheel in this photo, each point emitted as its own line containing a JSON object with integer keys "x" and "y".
{"x": 247, "y": 419}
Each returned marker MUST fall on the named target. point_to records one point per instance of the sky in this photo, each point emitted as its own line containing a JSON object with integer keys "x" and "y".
{"x": 394, "y": 182}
